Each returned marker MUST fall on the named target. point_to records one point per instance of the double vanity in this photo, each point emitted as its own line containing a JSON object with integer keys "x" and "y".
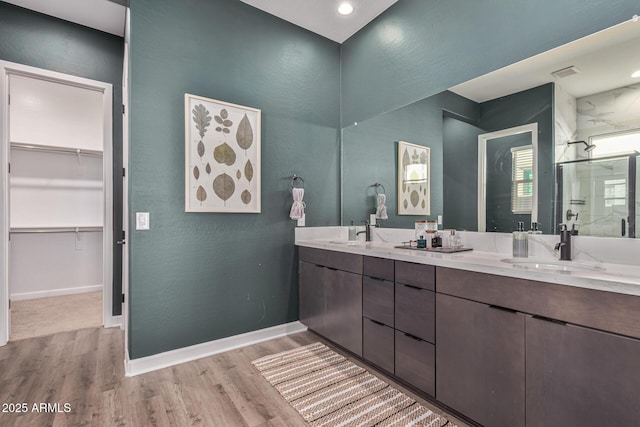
{"x": 501, "y": 341}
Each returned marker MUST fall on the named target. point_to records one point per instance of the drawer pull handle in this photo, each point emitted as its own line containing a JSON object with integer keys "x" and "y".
{"x": 413, "y": 337}
{"x": 414, "y": 287}
{"x": 548, "y": 319}
{"x": 497, "y": 307}
{"x": 376, "y": 322}
{"x": 376, "y": 278}
{"x": 332, "y": 269}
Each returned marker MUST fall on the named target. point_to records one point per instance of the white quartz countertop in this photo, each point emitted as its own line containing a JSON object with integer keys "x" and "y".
{"x": 619, "y": 278}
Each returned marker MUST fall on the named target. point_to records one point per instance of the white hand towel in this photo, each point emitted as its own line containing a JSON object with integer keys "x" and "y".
{"x": 297, "y": 209}
{"x": 381, "y": 211}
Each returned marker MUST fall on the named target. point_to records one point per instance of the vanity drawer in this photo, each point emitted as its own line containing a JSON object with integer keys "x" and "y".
{"x": 377, "y": 344}
{"x": 332, "y": 259}
{"x": 606, "y": 311}
{"x": 415, "y": 311}
{"x": 416, "y": 362}
{"x": 377, "y": 300}
{"x": 380, "y": 268}
{"x": 420, "y": 275}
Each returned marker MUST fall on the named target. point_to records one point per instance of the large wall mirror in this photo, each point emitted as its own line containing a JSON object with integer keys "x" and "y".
{"x": 584, "y": 100}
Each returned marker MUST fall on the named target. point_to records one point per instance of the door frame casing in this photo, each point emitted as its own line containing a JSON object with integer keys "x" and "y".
{"x": 482, "y": 169}
{"x": 11, "y": 68}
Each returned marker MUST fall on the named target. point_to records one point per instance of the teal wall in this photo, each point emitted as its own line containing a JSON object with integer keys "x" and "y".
{"x": 370, "y": 156}
{"x": 418, "y": 48}
{"x": 38, "y": 40}
{"x": 196, "y": 277}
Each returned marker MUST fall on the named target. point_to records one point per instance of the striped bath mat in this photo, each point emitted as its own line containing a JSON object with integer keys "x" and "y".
{"x": 329, "y": 390}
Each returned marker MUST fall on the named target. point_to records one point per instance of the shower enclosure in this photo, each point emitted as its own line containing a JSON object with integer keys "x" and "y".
{"x": 599, "y": 197}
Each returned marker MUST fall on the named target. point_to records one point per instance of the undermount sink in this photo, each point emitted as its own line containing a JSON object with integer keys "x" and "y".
{"x": 559, "y": 266}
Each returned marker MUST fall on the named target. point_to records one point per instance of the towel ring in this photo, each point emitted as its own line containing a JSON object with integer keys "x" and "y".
{"x": 296, "y": 178}
{"x": 378, "y": 185}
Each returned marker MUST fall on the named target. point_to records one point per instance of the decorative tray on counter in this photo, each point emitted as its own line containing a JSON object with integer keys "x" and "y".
{"x": 412, "y": 245}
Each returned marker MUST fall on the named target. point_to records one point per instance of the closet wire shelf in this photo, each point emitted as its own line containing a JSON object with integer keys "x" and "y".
{"x": 56, "y": 149}
{"x": 24, "y": 230}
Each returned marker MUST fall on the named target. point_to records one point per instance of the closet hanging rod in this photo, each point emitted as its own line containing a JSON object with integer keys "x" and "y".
{"x": 24, "y": 230}
{"x": 56, "y": 149}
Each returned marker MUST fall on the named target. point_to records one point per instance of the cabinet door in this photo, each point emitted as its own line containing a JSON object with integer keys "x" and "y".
{"x": 581, "y": 377}
{"x": 344, "y": 309}
{"x": 311, "y": 290}
{"x": 480, "y": 369}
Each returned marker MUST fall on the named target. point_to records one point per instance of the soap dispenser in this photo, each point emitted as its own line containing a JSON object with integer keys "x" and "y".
{"x": 520, "y": 242}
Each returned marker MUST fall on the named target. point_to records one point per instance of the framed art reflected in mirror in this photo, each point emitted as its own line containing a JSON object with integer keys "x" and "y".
{"x": 413, "y": 179}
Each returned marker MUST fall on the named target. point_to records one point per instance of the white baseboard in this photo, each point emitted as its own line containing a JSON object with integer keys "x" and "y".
{"x": 174, "y": 357}
{"x": 114, "y": 322}
{"x": 55, "y": 292}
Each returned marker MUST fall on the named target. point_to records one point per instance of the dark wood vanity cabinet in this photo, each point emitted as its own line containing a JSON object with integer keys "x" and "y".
{"x": 330, "y": 296}
{"x": 415, "y": 325}
{"x": 580, "y": 377}
{"x": 581, "y": 370}
{"x": 499, "y": 350}
{"x": 311, "y": 290}
{"x": 377, "y": 311}
{"x": 480, "y": 359}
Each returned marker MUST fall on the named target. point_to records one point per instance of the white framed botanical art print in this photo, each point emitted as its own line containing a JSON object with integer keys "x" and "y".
{"x": 222, "y": 156}
{"x": 414, "y": 185}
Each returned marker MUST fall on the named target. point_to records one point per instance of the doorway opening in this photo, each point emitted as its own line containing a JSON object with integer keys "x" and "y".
{"x": 57, "y": 249}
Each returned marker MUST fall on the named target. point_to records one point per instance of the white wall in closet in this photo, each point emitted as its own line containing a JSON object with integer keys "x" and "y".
{"x": 56, "y": 188}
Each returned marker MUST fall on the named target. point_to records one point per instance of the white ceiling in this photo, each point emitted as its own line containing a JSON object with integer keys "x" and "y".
{"x": 318, "y": 16}
{"x": 322, "y": 17}
{"x": 605, "y": 59}
{"x": 102, "y": 15}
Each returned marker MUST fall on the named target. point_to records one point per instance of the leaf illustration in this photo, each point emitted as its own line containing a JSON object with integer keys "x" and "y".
{"x": 224, "y": 154}
{"x": 405, "y": 203}
{"x": 196, "y": 172}
{"x": 224, "y": 187}
{"x": 224, "y": 121}
{"x": 200, "y": 149}
{"x": 238, "y": 174}
{"x": 246, "y": 197}
{"x": 423, "y": 204}
{"x": 201, "y": 118}
{"x": 248, "y": 170}
{"x": 201, "y": 194}
{"x": 406, "y": 161}
{"x": 415, "y": 198}
{"x": 244, "y": 136}
{"x": 208, "y": 168}
{"x": 404, "y": 187}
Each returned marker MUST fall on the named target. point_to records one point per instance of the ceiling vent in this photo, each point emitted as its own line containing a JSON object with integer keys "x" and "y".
{"x": 565, "y": 72}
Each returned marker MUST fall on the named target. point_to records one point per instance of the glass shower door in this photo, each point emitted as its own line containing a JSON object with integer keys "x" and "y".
{"x": 599, "y": 196}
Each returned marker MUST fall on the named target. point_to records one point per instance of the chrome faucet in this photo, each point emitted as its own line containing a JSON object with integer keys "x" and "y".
{"x": 564, "y": 246}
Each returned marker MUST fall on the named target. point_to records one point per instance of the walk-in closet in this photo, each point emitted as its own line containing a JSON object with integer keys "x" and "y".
{"x": 57, "y": 205}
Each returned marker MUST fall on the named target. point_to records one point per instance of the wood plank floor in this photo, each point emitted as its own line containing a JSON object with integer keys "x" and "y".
{"x": 85, "y": 369}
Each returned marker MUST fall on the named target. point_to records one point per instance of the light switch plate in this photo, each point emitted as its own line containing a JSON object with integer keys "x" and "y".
{"x": 142, "y": 220}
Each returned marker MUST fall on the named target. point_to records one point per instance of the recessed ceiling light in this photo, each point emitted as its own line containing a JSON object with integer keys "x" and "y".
{"x": 635, "y": 74}
{"x": 345, "y": 8}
